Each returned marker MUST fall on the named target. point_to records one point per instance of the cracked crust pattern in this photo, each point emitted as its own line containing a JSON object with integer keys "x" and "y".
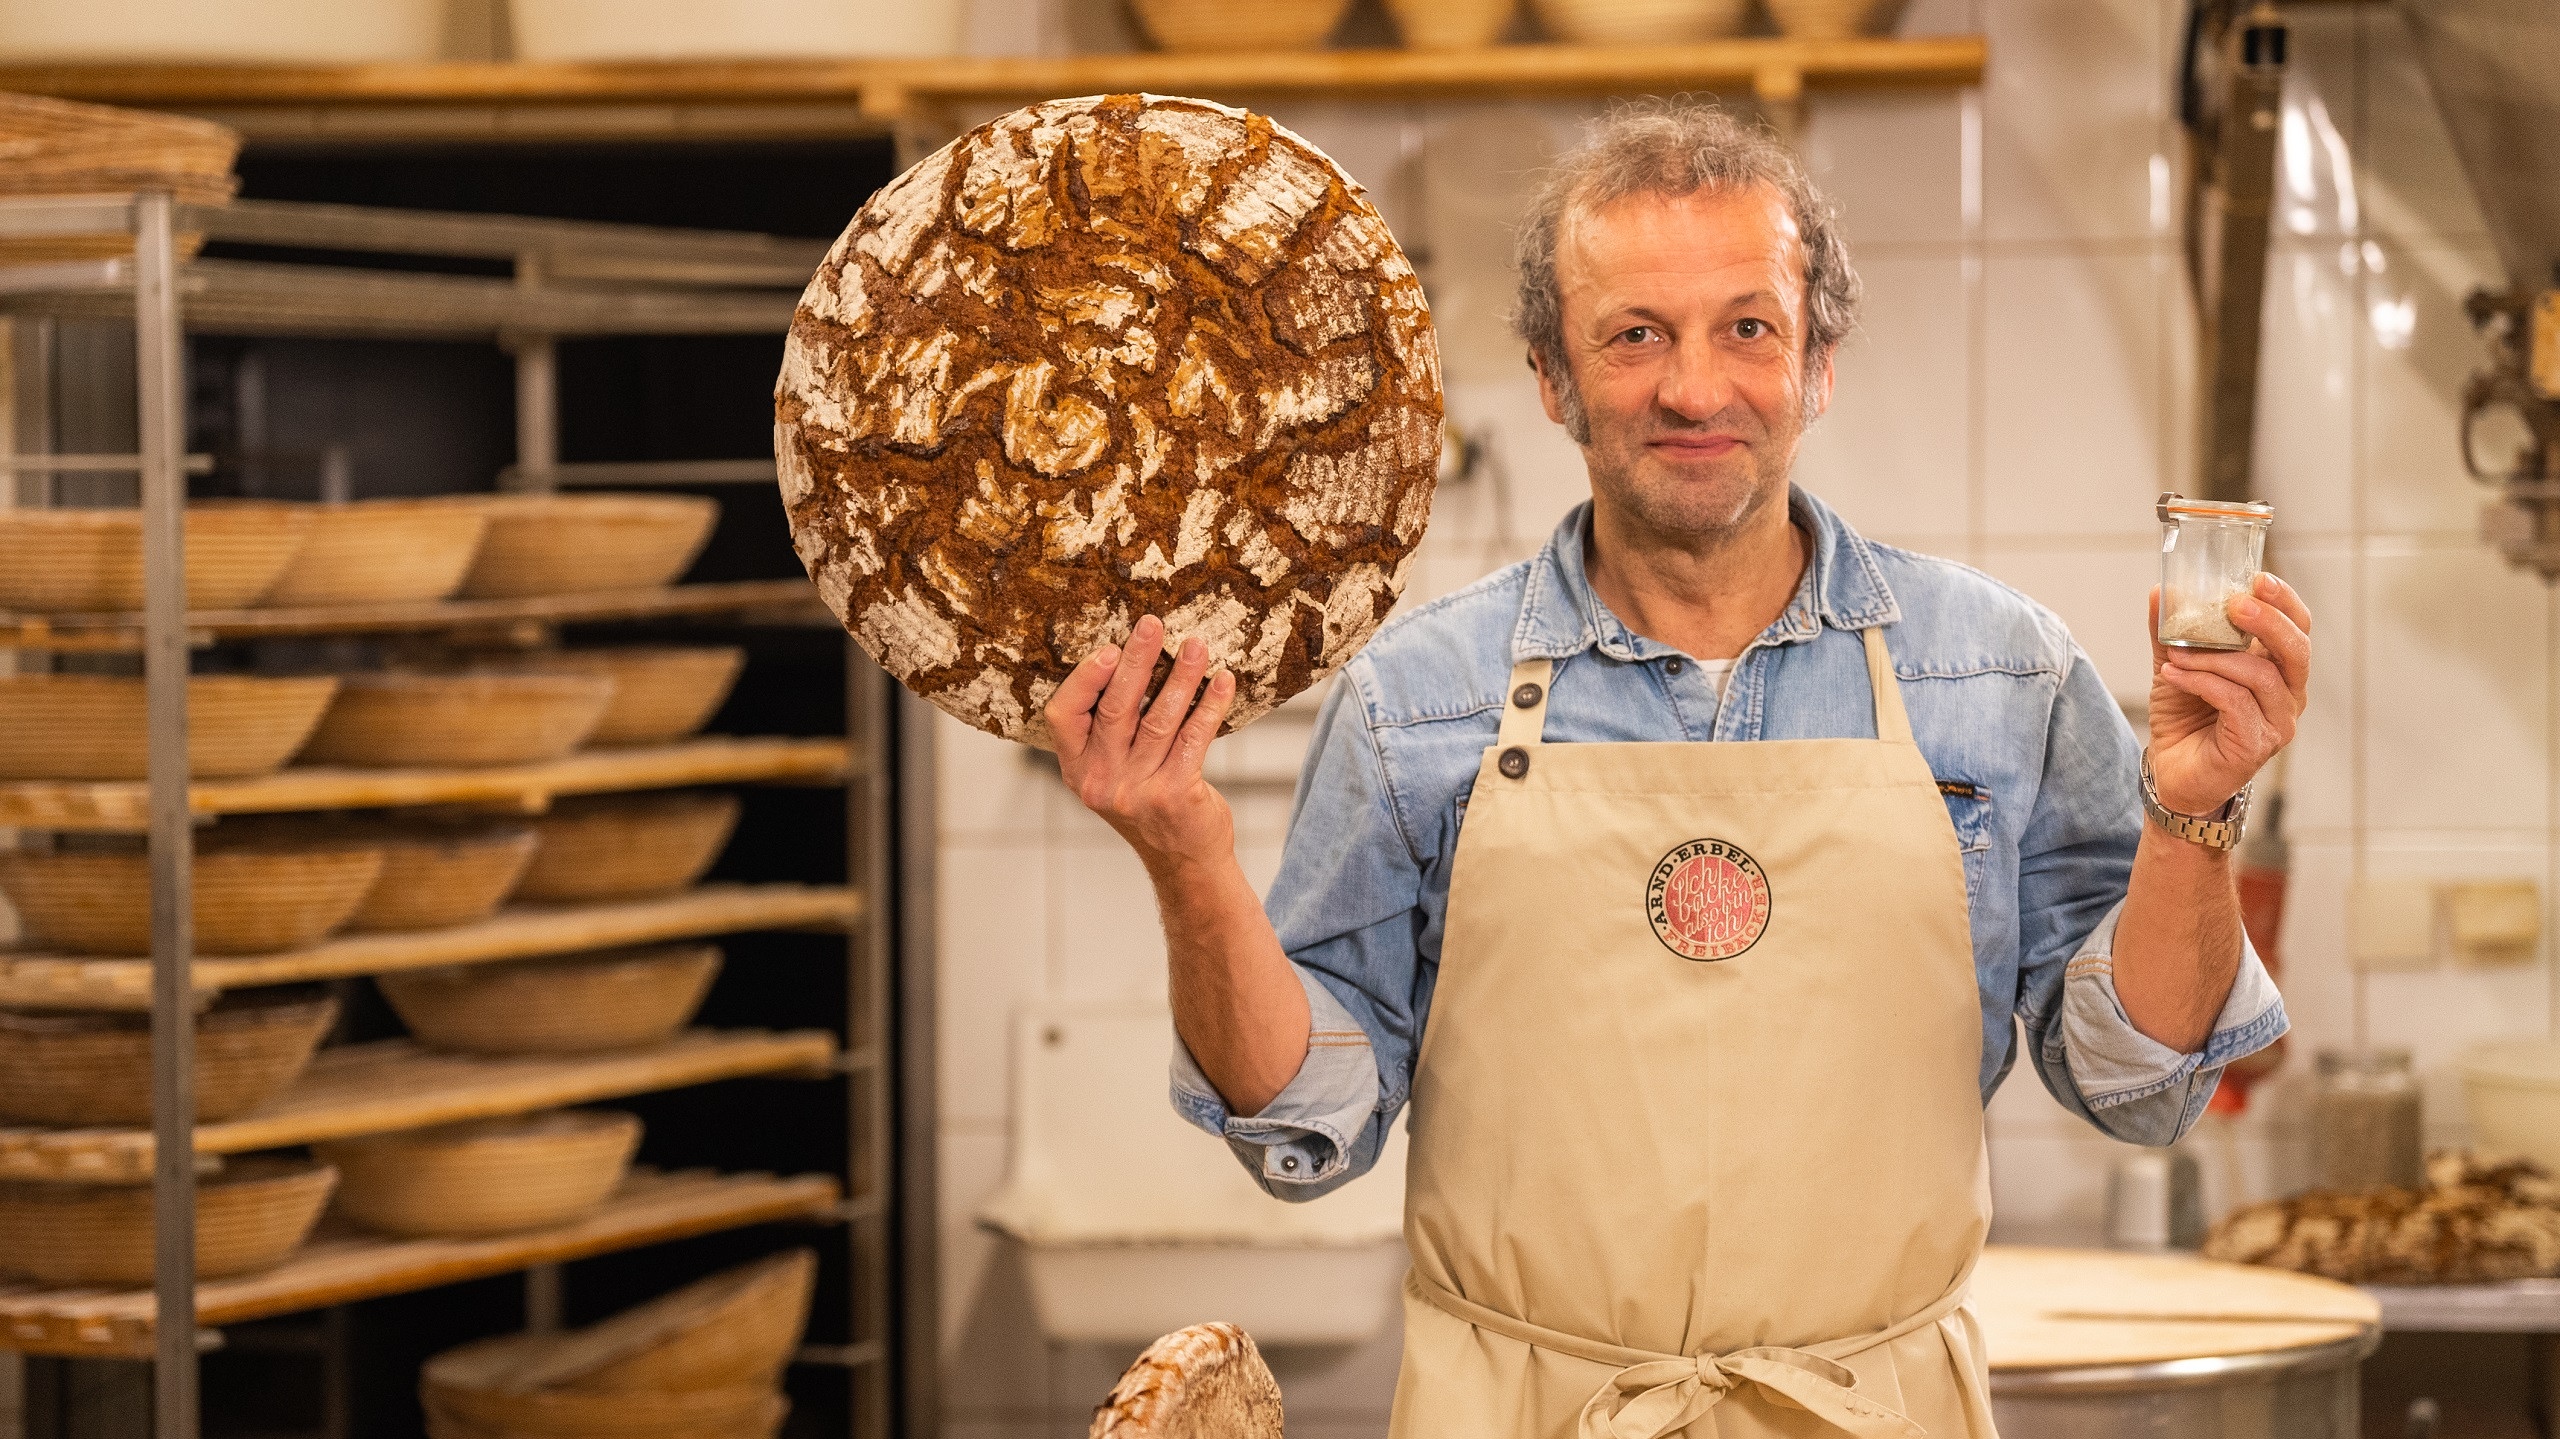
{"x": 1204, "y": 1382}
{"x": 1102, "y": 358}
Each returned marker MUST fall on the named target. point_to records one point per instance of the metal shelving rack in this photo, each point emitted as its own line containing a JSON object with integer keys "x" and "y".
{"x": 570, "y": 279}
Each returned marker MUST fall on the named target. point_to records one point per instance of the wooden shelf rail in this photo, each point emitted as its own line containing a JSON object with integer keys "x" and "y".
{"x": 45, "y": 981}
{"x": 886, "y": 87}
{"x": 395, "y": 1084}
{"x": 123, "y": 632}
{"x": 340, "y": 1265}
{"x": 122, "y": 806}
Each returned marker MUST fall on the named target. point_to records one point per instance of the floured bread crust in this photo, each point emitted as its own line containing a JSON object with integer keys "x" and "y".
{"x": 1205, "y": 1382}
{"x": 1102, "y": 358}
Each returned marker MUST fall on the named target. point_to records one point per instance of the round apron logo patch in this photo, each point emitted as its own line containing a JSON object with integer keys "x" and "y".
{"x": 1708, "y": 900}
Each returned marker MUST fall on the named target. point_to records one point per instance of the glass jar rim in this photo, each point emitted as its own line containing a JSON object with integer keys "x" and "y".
{"x": 2172, "y": 506}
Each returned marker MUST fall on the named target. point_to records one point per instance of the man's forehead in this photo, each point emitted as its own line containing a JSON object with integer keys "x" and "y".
{"x": 1741, "y": 227}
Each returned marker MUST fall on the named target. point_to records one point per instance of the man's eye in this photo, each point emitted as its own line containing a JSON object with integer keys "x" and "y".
{"x": 1637, "y": 334}
{"x": 1750, "y": 329}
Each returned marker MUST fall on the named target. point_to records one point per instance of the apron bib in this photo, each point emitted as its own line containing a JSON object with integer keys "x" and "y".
{"x": 1697, "y": 1135}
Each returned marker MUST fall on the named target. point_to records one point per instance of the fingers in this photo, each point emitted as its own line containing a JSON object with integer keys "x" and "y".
{"x": 1171, "y": 706}
{"x": 2276, "y": 617}
{"x": 1193, "y": 748}
{"x": 1070, "y": 709}
{"x": 2268, "y": 700}
{"x": 1115, "y": 715}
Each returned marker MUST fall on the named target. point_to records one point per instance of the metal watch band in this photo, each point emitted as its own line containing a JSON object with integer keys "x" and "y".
{"x": 2220, "y": 830}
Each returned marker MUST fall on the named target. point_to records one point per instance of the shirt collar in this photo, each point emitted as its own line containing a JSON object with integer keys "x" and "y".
{"x": 1560, "y": 616}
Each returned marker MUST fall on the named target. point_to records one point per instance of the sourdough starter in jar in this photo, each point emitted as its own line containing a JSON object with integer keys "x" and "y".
{"x": 2210, "y": 552}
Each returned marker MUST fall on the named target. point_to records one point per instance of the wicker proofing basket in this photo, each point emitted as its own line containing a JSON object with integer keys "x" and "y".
{"x": 626, "y": 846}
{"x": 61, "y": 561}
{"x": 578, "y": 1004}
{"x": 1833, "y": 19}
{"x": 1640, "y": 22}
{"x": 486, "y": 1176}
{"x": 660, "y": 693}
{"x": 94, "y": 727}
{"x": 436, "y": 875}
{"x": 250, "y": 1217}
{"x": 1227, "y": 25}
{"x": 397, "y": 721}
{"x": 1451, "y": 24}
{"x": 737, "y": 1328}
{"x": 578, "y": 544}
{"x": 250, "y": 898}
{"x": 95, "y": 1069}
{"x": 454, "y": 1412}
{"x": 382, "y": 552}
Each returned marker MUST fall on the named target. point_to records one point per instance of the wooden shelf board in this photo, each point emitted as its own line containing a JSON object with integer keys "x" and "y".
{"x": 341, "y": 1265}
{"x": 122, "y": 806}
{"x": 395, "y": 1084}
{"x": 236, "y": 297}
{"x": 43, "y": 981}
{"x": 816, "y": 99}
{"x": 884, "y": 88}
{"x": 102, "y": 632}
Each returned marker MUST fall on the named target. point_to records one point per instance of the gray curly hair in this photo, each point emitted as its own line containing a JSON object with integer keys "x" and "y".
{"x": 1675, "y": 147}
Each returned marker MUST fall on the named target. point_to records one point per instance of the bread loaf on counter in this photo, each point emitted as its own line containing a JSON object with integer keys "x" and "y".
{"x": 2474, "y": 1222}
{"x": 1101, "y": 358}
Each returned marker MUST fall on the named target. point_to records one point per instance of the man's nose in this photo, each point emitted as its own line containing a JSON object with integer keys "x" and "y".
{"x": 1696, "y": 385}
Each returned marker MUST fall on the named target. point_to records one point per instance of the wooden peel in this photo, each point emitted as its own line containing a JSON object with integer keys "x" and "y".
{"x": 1204, "y": 1382}
{"x": 2062, "y": 1308}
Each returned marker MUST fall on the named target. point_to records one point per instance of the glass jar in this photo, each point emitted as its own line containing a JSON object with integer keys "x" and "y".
{"x": 2209, "y": 551}
{"x": 2364, "y": 1121}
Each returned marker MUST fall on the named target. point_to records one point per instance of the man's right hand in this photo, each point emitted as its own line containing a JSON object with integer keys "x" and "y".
{"x": 1137, "y": 764}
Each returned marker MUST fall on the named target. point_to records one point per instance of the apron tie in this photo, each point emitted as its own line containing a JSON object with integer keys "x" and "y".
{"x": 1652, "y": 1395}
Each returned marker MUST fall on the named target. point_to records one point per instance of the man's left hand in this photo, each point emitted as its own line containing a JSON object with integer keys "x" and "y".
{"x": 2217, "y": 717}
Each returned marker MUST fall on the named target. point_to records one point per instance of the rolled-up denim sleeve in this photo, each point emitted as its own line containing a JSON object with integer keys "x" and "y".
{"x": 1346, "y": 908}
{"x": 2138, "y": 1089}
{"x": 2076, "y": 860}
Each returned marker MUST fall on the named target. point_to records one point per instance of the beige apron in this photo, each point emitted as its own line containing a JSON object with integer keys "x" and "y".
{"x": 1697, "y": 1134}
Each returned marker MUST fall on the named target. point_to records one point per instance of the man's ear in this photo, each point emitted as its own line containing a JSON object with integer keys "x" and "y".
{"x": 1818, "y": 385}
{"x": 1546, "y": 387}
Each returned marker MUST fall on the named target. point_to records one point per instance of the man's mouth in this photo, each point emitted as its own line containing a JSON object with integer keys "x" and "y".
{"x": 1694, "y": 447}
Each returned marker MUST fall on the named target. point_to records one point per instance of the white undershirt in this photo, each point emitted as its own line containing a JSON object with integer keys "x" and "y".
{"x": 1718, "y": 672}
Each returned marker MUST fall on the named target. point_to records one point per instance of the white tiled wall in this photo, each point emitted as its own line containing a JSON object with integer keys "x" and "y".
{"x": 2017, "y": 395}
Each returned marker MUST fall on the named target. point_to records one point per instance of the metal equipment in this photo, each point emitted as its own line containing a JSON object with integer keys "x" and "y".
{"x": 2230, "y": 82}
{"x": 2494, "y": 66}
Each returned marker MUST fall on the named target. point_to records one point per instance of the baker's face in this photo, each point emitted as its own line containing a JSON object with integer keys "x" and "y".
{"x": 1684, "y": 328}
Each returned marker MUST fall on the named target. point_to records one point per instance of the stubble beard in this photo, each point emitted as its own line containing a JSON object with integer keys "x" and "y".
{"x": 1703, "y": 512}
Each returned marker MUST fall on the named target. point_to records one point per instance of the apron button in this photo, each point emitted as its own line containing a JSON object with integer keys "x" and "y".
{"x": 1514, "y": 762}
{"x": 1527, "y": 696}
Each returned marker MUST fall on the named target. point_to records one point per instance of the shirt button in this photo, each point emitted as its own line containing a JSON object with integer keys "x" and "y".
{"x": 1289, "y": 1163}
{"x": 1514, "y": 762}
{"x": 1675, "y": 666}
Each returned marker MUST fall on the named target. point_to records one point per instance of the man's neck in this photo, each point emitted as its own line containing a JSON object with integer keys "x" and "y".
{"x": 1708, "y": 599}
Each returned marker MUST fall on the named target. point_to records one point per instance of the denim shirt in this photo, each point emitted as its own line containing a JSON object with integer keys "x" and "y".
{"x": 2039, "y": 769}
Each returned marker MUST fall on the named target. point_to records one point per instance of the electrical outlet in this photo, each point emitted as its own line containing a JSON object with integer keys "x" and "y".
{"x": 2391, "y": 924}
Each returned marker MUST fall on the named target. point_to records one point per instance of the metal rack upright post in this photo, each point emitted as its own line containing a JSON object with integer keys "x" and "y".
{"x": 570, "y": 278}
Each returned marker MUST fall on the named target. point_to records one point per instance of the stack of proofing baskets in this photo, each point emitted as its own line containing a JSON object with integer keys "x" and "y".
{"x": 275, "y": 883}
{"x": 704, "y": 1362}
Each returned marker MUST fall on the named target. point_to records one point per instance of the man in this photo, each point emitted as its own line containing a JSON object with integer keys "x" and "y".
{"x": 1687, "y": 879}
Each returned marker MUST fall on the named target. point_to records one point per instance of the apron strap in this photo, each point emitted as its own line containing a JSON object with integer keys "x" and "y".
{"x": 1526, "y": 723}
{"x": 1654, "y": 1395}
{"x": 1893, "y": 726}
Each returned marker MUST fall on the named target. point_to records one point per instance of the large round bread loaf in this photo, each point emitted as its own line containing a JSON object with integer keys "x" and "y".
{"x": 1103, "y": 358}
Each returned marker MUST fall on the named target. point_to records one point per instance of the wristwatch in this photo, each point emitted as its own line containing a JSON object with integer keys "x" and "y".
{"x": 2218, "y": 830}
